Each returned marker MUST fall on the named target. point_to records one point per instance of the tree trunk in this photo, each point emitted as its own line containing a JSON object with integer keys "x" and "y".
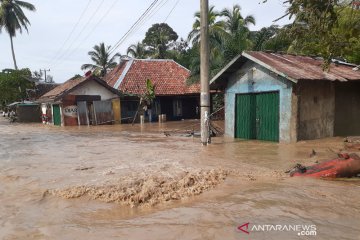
{"x": 13, "y": 52}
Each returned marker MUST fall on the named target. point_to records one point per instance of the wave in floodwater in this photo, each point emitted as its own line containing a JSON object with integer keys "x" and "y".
{"x": 134, "y": 182}
{"x": 148, "y": 191}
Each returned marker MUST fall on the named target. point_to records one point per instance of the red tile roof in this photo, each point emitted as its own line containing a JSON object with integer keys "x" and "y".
{"x": 168, "y": 77}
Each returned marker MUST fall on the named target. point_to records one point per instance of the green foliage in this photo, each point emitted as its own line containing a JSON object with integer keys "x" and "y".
{"x": 76, "y": 76}
{"x": 216, "y": 30}
{"x": 272, "y": 38}
{"x": 148, "y": 97}
{"x": 102, "y": 60}
{"x": 229, "y": 35}
{"x": 137, "y": 51}
{"x": 150, "y": 91}
{"x": 327, "y": 28}
{"x": 158, "y": 40}
{"x": 13, "y": 85}
{"x": 324, "y": 28}
{"x": 237, "y": 32}
{"x": 12, "y": 19}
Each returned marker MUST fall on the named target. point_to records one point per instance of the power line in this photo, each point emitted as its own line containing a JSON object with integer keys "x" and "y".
{"x": 94, "y": 28}
{"x": 151, "y": 13}
{"x": 177, "y": 2}
{"x": 154, "y": 7}
{"x": 138, "y": 21}
{"x": 82, "y": 30}
{"x": 143, "y": 20}
{"x": 133, "y": 26}
{"x": 158, "y": 8}
{"x": 100, "y": 20}
{"x": 72, "y": 31}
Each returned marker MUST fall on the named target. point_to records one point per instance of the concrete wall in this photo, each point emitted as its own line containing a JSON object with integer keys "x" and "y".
{"x": 316, "y": 109}
{"x": 252, "y": 78}
{"x": 347, "y": 109}
{"x": 94, "y": 88}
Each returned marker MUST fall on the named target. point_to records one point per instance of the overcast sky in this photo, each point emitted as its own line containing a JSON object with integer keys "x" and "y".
{"x": 105, "y": 21}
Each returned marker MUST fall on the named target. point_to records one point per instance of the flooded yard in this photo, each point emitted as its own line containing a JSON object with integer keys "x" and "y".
{"x": 134, "y": 182}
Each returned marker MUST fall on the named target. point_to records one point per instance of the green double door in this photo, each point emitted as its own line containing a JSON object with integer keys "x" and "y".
{"x": 257, "y": 116}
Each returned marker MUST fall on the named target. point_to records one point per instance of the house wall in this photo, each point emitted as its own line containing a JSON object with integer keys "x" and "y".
{"x": 69, "y": 111}
{"x": 28, "y": 113}
{"x": 252, "y": 78}
{"x": 316, "y": 109}
{"x": 94, "y": 88}
{"x": 347, "y": 109}
{"x": 189, "y": 106}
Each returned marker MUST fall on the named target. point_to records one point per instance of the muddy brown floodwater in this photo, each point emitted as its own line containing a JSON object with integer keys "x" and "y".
{"x": 133, "y": 182}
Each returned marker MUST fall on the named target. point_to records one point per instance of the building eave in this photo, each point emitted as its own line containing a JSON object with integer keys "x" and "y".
{"x": 255, "y": 60}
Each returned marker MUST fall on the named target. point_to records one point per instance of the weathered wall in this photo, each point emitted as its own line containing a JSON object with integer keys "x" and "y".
{"x": 316, "y": 109}
{"x": 28, "y": 113}
{"x": 94, "y": 88}
{"x": 252, "y": 78}
{"x": 69, "y": 111}
{"x": 347, "y": 109}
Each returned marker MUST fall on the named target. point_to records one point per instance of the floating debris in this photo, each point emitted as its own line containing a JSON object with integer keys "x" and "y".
{"x": 346, "y": 165}
{"x": 83, "y": 168}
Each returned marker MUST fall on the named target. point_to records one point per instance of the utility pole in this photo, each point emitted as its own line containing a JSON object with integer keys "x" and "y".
{"x": 45, "y": 72}
{"x": 204, "y": 72}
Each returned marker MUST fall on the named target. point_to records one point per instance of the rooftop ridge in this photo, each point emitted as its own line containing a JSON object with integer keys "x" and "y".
{"x": 161, "y": 60}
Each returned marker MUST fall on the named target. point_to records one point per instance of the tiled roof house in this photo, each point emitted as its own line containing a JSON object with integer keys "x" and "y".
{"x": 168, "y": 77}
{"x": 174, "y": 97}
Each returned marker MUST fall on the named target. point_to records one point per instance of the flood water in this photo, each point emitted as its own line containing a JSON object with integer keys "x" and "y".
{"x": 133, "y": 182}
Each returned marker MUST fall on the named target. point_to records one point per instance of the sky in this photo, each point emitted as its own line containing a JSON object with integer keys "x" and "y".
{"x": 63, "y": 32}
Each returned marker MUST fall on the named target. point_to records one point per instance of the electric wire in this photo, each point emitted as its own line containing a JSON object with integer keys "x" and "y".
{"x": 93, "y": 29}
{"x": 146, "y": 19}
{"x": 172, "y": 10}
{"x": 150, "y": 14}
{"x": 82, "y": 30}
{"x": 119, "y": 42}
{"x": 72, "y": 32}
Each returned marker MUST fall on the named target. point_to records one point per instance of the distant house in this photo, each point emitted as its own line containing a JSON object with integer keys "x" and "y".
{"x": 40, "y": 89}
{"x": 174, "y": 97}
{"x": 81, "y": 101}
{"x": 287, "y": 98}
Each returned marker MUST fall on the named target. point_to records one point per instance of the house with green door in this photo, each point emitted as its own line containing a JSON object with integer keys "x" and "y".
{"x": 86, "y": 100}
{"x": 288, "y": 98}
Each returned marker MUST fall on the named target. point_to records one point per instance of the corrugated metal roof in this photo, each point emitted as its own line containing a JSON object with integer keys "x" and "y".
{"x": 293, "y": 67}
{"x": 304, "y": 68}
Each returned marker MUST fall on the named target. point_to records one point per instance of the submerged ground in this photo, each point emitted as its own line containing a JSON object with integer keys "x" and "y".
{"x": 133, "y": 182}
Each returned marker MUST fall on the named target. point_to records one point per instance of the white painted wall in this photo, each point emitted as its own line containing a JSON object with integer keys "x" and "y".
{"x": 94, "y": 88}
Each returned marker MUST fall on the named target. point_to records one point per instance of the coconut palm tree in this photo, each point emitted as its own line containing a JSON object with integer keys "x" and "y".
{"x": 12, "y": 19}
{"x": 137, "y": 50}
{"x": 102, "y": 60}
{"x": 234, "y": 21}
{"x": 216, "y": 29}
{"x": 237, "y": 28}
